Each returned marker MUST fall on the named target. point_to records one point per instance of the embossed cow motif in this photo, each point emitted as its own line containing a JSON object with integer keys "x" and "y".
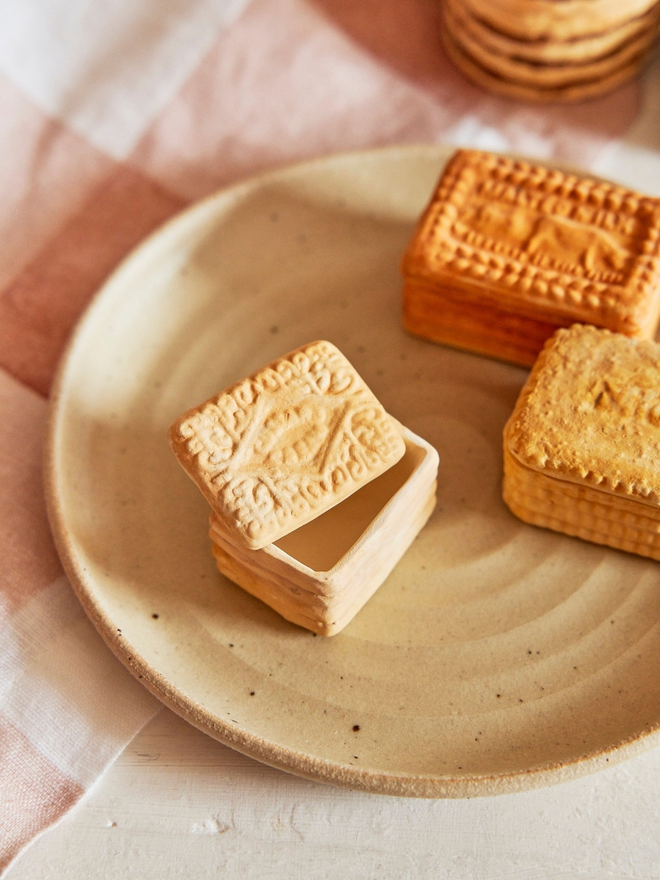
{"x": 563, "y": 239}
{"x": 558, "y": 240}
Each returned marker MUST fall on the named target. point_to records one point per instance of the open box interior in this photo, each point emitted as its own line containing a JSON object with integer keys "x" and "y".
{"x": 321, "y": 543}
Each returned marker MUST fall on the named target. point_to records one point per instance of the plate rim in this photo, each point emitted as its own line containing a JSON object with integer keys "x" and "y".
{"x": 392, "y": 783}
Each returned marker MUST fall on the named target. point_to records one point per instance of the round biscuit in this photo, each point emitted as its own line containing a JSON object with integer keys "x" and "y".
{"x": 573, "y": 94}
{"x": 547, "y": 76}
{"x": 555, "y": 51}
{"x": 554, "y": 20}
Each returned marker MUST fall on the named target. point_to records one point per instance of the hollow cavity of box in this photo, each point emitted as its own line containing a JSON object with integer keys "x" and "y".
{"x": 320, "y": 575}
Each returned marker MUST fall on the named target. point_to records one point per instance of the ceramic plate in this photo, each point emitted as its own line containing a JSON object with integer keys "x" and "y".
{"x": 496, "y": 657}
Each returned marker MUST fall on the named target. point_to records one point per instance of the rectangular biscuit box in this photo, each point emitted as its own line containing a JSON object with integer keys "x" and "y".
{"x": 508, "y": 251}
{"x": 315, "y": 491}
{"x": 582, "y": 446}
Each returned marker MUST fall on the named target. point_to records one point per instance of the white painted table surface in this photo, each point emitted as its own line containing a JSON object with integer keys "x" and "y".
{"x": 177, "y": 804}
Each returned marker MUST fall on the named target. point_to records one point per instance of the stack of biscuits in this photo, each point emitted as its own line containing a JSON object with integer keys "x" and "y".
{"x": 553, "y": 51}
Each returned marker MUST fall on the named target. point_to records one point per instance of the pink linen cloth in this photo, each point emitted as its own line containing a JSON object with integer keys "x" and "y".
{"x": 114, "y": 117}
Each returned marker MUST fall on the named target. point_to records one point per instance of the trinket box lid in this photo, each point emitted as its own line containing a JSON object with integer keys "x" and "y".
{"x": 277, "y": 449}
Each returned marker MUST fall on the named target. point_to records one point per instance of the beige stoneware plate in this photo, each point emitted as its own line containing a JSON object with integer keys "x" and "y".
{"x": 495, "y": 658}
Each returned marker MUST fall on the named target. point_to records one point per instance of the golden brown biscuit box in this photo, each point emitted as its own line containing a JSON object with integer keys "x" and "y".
{"x": 316, "y": 492}
{"x": 507, "y": 252}
{"x": 582, "y": 446}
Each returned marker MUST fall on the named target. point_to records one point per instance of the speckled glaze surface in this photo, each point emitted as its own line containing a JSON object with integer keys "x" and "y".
{"x": 496, "y": 656}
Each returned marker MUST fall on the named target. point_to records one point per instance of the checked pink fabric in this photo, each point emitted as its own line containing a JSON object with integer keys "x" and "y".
{"x": 113, "y": 117}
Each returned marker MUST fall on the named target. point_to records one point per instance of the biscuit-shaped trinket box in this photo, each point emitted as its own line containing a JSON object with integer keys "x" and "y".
{"x": 582, "y": 446}
{"x": 507, "y": 252}
{"x": 316, "y": 492}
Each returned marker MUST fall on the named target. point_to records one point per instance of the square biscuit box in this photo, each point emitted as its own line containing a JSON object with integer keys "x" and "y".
{"x": 582, "y": 446}
{"x": 315, "y": 491}
{"x": 507, "y": 252}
